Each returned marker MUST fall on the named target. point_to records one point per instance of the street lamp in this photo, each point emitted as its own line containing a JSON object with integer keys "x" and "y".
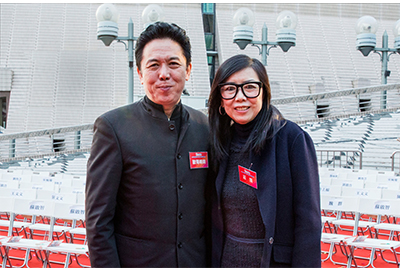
{"x": 107, "y": 31}
{"x": 366, "y": 28}
{"x": 243, "y": 22}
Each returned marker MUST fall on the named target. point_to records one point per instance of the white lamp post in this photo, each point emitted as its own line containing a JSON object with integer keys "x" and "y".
{"x": 107, "y": 31}
{"x": 243, "y": 22}
{"x": 366, "y": 28}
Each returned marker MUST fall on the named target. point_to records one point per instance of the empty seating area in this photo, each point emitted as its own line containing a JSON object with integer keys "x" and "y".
{"x": 42, "y": 215}
{"x": 374, "y": 135}
{"x": 360, "y": 217}
{"x": 42, "y": 219}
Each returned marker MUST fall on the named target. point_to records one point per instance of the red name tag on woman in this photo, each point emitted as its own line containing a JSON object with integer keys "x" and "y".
{"x": 248, "y": 177}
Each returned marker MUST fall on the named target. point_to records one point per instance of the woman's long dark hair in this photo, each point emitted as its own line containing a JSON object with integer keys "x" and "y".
{"x": 267, "y": 125}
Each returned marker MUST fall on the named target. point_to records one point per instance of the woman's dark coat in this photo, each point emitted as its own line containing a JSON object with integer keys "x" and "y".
{"x": 288, "y": 197}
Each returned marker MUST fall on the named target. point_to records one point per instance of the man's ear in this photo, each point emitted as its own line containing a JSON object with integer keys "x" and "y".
{"x": 188, "y": 71}
{"x": 140, "y": 75}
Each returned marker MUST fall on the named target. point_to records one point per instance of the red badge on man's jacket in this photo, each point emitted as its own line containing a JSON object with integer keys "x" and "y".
{"x": 198, "y": 160}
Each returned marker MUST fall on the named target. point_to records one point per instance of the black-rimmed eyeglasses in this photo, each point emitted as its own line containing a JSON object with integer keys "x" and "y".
{"x": 249, "y": 89}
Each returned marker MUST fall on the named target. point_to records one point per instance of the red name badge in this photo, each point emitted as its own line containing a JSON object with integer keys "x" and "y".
{"x": 247, "y": 176}
{"x": 198, "y": 160}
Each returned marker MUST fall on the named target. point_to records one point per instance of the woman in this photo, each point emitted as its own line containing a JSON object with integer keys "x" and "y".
{"x": 266, "y": 210}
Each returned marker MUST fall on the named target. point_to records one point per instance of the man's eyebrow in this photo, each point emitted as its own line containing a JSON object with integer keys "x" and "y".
{"x": 156, "y": 60}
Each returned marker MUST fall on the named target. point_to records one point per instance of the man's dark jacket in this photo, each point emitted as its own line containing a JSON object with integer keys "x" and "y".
{"x": 144, "y": 206}
{"x": 288, "y": 198}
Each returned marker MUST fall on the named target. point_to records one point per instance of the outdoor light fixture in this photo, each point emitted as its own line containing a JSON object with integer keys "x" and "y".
{"x": 107, "y": 31}
{"x": 243, "y": 22}
{"x": 366, "y": 28}
{"x": 286, "y": 23}
{"x": 396, "y": 33}
{"x": 152, "y": 13}
{"x": 107, "y": 23}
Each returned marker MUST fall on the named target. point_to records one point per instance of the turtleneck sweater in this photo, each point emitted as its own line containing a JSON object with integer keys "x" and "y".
{"x": 242, "y": 218}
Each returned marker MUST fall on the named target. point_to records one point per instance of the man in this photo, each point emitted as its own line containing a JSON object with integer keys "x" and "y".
{"x": 146, "y": 175}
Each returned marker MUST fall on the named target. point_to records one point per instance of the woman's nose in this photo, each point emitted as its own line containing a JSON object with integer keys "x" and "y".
{"x": 240, "y": 95}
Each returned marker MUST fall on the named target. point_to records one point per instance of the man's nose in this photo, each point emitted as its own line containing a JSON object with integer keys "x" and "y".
{"x": 164, "y": 72}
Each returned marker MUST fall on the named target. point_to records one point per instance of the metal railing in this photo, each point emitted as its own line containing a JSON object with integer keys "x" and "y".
{"x": 340, "y": 158}
{"x": 53, "y": 142}
{"x": 48, "y": 142}
{"x": 393, "y": 162}
{"x": 323, "y": 105}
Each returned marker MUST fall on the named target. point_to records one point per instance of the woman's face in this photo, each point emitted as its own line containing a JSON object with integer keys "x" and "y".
{"x": 241, "y": 109}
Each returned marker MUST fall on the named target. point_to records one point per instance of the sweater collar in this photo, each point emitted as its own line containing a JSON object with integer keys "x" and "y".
{"x": 243, "y": 131}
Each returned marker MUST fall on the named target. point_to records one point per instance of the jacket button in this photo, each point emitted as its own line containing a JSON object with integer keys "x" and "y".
{"x": 180, "y": 186}
{"x": 180, "y": 245}
{"x": 180, "y": 216}
{"x": 179, "y": 156}
{"x": 172, "y": 127}
{"x": 271, "y": 240}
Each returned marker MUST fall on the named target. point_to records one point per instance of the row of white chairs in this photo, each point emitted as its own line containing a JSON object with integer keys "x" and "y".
{"x": 325, "y": 170}
{"x": 49, "y": 242}
{"x": 360, "y": 192}
{"x": 361, "y": 177}
{"x": 48, "y": 186}
{"x": 359, "y": 184}
{"x": 43, "y": 182}
{"x": 42, "y": 194}
{"x": 35, "y": 172}
{"x": 375, "y": 209}
{"x": 40, "y": 177}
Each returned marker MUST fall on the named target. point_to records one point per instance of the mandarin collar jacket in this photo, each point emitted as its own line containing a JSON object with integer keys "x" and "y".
{"x": 145, "y": 206}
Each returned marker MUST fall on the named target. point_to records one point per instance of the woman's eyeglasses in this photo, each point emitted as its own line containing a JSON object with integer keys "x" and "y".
{"x": 249, "y": 89}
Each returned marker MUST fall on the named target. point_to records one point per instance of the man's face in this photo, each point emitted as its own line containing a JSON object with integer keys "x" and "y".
{"x": 163, "y": 72}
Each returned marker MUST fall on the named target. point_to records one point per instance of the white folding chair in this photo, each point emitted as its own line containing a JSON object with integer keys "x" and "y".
{"x": 388, "y": 178}
{"x": 335, "y": 174}
{"x": 382, "y": 185}
{"x": 362, "y": 192}
{"x": 76, "y": 190}
{"x": 78, "y": 182}
{"x": 7, "y": 196}
{"x": 394, "y": 227}
{"x": 340, "y": 205}
{"x": 32, "y": 208}
{"x": 80, "y": 198}
{"x": 59, "y": 229}
{"x": 40, "y": 178}
{"x": 9, "y": 184}
{"x": 16, "y": 177}
{"x": 37, "y": 185}
{"x": 324, "y": 181}
{"x": 390, "y": 194}
{"x": 61, "y": 182}
{"x": 379, "y": 208}
{"x": 347, "y": 183}
{"x": 360, "y": 176}
{"x": 74, "y": 212}
{"x": 50, "y": 195}
{"x": 17, "y": 192}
